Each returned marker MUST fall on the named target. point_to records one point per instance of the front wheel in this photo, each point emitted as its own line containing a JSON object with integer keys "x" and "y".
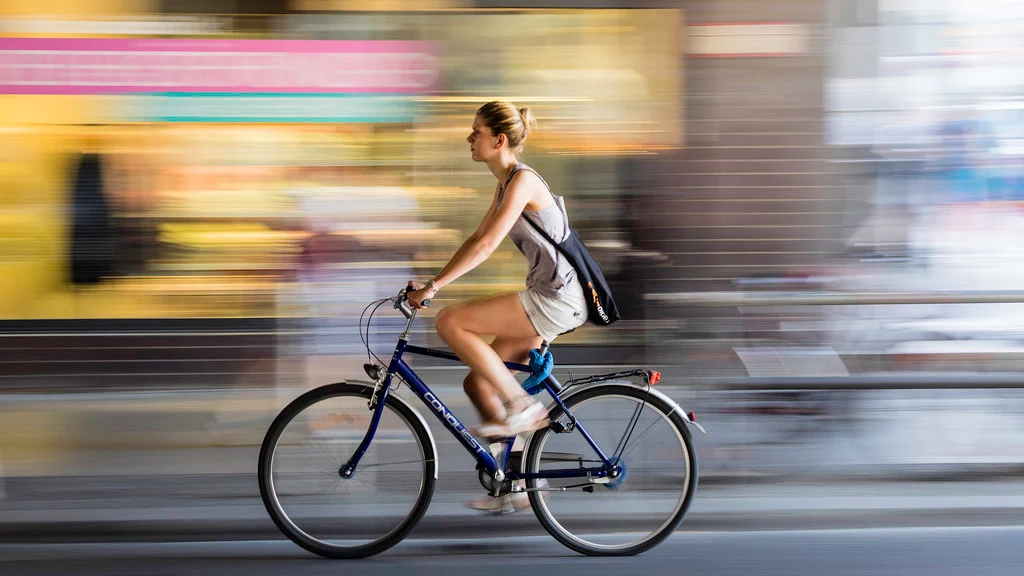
{"x": 314, "y": 504}
{"x": 656, "y": 471}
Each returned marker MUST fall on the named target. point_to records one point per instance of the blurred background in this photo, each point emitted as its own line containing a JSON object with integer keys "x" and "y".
{"x": 809, "y": 212}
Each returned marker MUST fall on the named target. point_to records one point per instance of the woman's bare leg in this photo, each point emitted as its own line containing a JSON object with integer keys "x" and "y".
{"x": 482, "y": 393}
{"x": 461, "y": 327}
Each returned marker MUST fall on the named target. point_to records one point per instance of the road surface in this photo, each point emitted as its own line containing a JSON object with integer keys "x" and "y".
{"x": 973, "y": 551}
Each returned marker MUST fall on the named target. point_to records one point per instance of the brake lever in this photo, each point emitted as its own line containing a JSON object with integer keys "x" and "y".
{"x": 401, "y": 302}
{"x": 410, "y": 288}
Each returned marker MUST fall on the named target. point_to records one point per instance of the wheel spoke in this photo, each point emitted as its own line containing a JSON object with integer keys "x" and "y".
{"x": 346, "y": 517}
{"x": 629, "y": 430}
{"x": 643, "y": 435}
{"x": 640, "y": 506}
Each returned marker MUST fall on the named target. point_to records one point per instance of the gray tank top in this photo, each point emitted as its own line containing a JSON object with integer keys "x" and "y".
{"x": 549, "y": 272}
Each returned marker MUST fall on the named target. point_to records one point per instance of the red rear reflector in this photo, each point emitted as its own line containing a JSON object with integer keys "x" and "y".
{"x": 693, "y": 417}
{"x": 655, "y": 377}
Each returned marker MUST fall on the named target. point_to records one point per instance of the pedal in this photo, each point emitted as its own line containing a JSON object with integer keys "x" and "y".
{"x": 559, "y": 428}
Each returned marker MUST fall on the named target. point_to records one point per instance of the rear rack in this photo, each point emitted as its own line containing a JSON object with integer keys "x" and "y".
{"x": 645, "y": 374}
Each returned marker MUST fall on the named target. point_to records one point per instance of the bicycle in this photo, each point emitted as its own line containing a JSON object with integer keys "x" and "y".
{"x": 349, "y": 438}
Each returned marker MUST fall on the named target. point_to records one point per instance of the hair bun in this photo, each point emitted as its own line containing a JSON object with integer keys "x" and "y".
{"x": 529, "y": 122}
{"x": 505, "y": 118}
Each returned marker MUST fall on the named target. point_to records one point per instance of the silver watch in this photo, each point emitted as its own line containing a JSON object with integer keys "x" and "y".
{"x": 430, "y": 284}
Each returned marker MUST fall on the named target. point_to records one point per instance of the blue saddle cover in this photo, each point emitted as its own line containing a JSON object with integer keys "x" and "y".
{"x": 540, "y": 369}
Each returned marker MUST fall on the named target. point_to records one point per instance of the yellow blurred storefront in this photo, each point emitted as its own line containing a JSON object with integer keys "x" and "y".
{"x": 219, "y": 200}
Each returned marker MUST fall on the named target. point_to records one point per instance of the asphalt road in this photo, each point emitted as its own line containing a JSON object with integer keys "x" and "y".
{"x": 877, "y": 552}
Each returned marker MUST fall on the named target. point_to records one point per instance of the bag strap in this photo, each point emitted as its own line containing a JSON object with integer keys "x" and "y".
{"x": 546, "y": 236}
{"x": 516, "y": 170}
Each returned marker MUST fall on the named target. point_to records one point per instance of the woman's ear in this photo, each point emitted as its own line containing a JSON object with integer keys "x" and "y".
{"x": 501, "y": 141}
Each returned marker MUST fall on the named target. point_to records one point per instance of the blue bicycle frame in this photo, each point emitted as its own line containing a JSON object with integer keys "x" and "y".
{"x": 457, "y": 429}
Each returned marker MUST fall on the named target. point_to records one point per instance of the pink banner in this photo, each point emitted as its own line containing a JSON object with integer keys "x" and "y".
{"x": 125, "y": 65}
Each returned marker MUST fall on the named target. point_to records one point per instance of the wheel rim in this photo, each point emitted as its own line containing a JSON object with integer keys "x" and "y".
{"x": 326, "y": 511}
{"x": 628, "y": 512}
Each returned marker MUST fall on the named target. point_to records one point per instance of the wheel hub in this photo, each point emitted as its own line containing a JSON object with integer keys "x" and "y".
{"x": 617, "y": 475}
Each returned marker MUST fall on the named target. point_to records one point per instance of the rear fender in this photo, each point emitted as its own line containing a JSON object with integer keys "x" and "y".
{"x": 675, "y": 406}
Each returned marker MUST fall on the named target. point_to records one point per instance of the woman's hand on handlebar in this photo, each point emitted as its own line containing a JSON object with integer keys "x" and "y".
{"x": 417, "y": 296}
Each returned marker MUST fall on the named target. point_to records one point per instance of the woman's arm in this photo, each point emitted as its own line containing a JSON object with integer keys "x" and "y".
{"x": 487, "y": 237}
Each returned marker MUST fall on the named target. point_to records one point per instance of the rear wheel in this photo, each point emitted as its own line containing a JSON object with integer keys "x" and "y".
{"x": 326, "y": 513}
{"x": 647, "y": 439}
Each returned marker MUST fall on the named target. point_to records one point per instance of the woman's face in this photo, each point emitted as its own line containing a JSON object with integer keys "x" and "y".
{"x": 483, "y": 144}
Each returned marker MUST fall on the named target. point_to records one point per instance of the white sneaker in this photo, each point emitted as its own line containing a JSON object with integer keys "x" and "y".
{"x": 506, "y": 503}
{"x": 531, "y": 418}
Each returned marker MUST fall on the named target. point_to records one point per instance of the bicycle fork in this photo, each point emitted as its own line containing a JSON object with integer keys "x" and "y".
{"x": 380, "y": 396}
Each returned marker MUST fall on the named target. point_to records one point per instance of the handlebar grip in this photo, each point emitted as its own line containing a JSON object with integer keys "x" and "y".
{"x": 410, "y": 288}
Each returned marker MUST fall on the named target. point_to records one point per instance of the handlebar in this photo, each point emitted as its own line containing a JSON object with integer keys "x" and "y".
{"x": 401, "y": 303}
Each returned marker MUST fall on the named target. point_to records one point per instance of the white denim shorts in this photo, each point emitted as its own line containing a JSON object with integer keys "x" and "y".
{"x": 554, "y": 316}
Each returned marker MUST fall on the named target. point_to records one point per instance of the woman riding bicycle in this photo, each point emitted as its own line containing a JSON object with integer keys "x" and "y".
{"x": 359, "y": 486}
{"x": 553, "y": 302}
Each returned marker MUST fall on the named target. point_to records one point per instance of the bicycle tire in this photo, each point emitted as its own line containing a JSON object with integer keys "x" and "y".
{"x": 534, "y": 455}
{"x": 273, "y": 504}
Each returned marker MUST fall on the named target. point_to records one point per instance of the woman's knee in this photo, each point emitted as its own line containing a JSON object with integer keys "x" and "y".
{"x": 446, "y": 321}
{"x": 473, "y": 384}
